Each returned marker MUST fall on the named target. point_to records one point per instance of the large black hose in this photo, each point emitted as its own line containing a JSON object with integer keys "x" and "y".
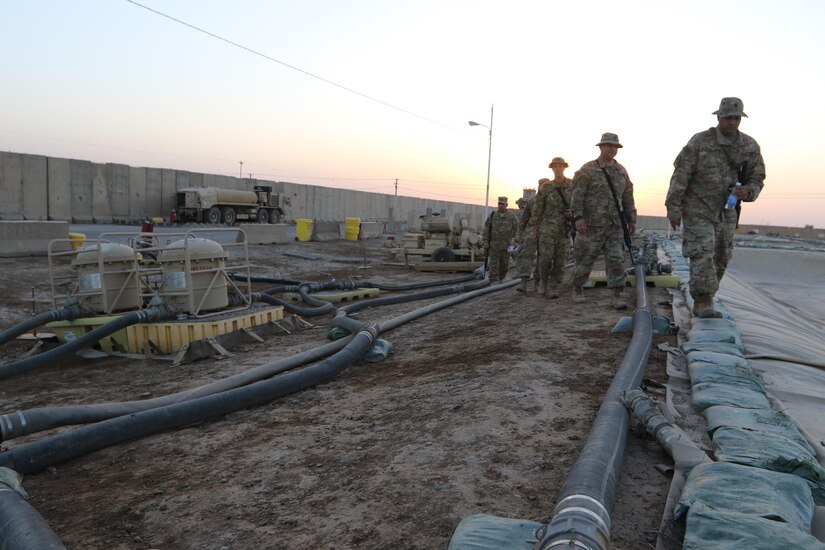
{"x": 292, "y": 307}
{"x": 20, "y": 423}
{"x": 582, "y": 516}
{"x": 148, "y": 315}
{"x": 388, "y": 300}
{"x": 286, "y": 283}
{"x": 21, "y": 526}
{"x": 55, "y": 449}
{"x": 65, "y": 313}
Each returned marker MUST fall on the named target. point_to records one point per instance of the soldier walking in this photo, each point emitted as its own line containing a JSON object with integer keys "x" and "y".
{"x": 715, "y": 164}
{"x": 553, "y": 217}
{"x": 527, "y": 239}
{"x": 499, "y": 230}
{"x": 598, "y": 187}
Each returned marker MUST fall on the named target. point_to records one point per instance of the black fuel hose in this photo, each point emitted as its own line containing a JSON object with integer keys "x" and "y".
{"x": 581, "y": 518}
{"x": 148, "y": 315}
{"x": 58, "y": 448}
{"x": 291, "y": 306}
{"x": 54, "y": 449}
{"x": 25, "y": 422}
{"x": 21, "y": 526}
{"x": 65, "y": 313}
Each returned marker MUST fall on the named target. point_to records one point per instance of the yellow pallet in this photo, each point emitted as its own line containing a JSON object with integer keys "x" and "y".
{"x": 68, "y": 331}
{"x": 662, "y": 281}
{"x": 336, "y": 296}
{"x": 170, "y": 336}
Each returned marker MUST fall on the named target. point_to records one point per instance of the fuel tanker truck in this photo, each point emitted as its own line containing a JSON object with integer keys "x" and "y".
{"x": 214, "y": 205}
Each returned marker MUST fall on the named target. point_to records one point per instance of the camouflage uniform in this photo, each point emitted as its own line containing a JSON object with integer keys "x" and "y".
{"x": 552, "y": 201}
{"x": 526, "y": 257}
{"x": 593, "y": 201}
{"x": 705, "y": 170}
{"x": 499, "y": 230}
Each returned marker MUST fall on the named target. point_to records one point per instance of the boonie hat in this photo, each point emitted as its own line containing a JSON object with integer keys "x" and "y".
{"x": 609, "y": 138}
{"x": 502, "y": 200}
{"x": 557, "y": 161}
{"x": 730, "y": 106}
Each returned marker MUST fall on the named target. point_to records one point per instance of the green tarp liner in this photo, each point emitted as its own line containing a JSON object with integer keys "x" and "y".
{"x": 717, "y": 347}
{"x": 771, "y": 452}
{"x": 713, "y": 324}
{"x": 756, "y": 420}
{"x": 710, "y": 393}
{"x": 711, "y": 529}
{"x": 483, "y": 532}
{"x": 726, "y": 487}
{"x": 717, "y": 358}
{"x": 745, "y": 377}
{"x": 722, "y": 336}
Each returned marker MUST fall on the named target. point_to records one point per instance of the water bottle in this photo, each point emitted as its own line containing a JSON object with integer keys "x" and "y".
{"x": 732, "y": 200}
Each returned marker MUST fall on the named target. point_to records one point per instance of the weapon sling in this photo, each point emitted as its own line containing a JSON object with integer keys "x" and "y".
{"x": 620, "y": 210}
{"x": 571, "y": 227}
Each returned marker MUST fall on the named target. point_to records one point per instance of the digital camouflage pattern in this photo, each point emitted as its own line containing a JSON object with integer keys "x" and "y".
{"x": 552, "y": 201}
{"x": 526, "y": 257}
{"x": 499, "y": 230}
{"x": 704, "y": 172}
{"x": 593, "y": 201}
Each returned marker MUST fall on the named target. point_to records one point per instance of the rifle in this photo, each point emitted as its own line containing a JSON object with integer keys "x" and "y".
{"x": 622, "y": 215}
{"x": 571, "y": 225}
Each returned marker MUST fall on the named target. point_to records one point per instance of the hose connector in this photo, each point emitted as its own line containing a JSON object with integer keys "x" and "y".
{"x": 580, "y": 521}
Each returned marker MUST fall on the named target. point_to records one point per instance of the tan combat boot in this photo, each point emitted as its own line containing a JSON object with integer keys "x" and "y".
{"x": 542, "y": 287}
{"x": 523, "y": 286}
{"x": 553, "y": 292}
{"x": 703, "y": 307}
{"x": 618, "y": 302}
{"x": 578, "y": 295}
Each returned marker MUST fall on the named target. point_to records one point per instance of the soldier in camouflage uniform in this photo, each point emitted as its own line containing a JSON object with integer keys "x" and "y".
{"x": 597, "y": 219}
{"x": 527, "y": 238}
{"x": 553, "y": 213}
{"x": 706, "y": 172}
{"x": 499, "y": 230}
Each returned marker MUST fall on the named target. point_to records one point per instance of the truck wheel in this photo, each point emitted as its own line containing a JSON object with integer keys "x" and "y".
{"x": 213, "y": 215}
{"x": 443, "y": 254}
{"x": 263, "y": 216}
{"x": 274, "y": 216}
{"x": 229, "y": 216}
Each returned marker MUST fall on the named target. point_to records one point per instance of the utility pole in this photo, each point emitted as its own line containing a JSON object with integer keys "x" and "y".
{"x": 240, "y": 171}
{"x": 396, "y": 187}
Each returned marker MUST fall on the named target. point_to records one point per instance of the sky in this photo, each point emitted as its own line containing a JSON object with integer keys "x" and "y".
{"x": 360, "y": 93}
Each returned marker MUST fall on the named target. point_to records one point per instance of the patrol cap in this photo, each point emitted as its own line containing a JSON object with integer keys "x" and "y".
{"x": 730, "y": 106}
{"x": 608, "y": 138}
{"x": 502, "y": 200}
{"x": 557, "y": 161}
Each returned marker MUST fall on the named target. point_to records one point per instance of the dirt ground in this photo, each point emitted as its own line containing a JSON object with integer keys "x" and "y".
{"x": 480, "y": 408}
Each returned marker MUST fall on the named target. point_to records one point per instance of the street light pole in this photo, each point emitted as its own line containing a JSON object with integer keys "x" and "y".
{"x": 489, "y": 157}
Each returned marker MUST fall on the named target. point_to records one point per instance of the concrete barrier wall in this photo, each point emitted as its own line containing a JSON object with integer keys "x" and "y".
{"x": 31, "y": 238}
{"x": 34, "y": 187}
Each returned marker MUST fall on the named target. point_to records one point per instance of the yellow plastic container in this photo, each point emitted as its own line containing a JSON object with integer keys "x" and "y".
{"x": 352, "y": 229}
{"x": 303, "y": 230}
{"x": 77, "y": 240}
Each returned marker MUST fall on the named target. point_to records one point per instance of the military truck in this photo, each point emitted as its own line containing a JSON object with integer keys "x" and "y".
{"x": 214, "y": 205}
{"x": 441, "y": 240}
